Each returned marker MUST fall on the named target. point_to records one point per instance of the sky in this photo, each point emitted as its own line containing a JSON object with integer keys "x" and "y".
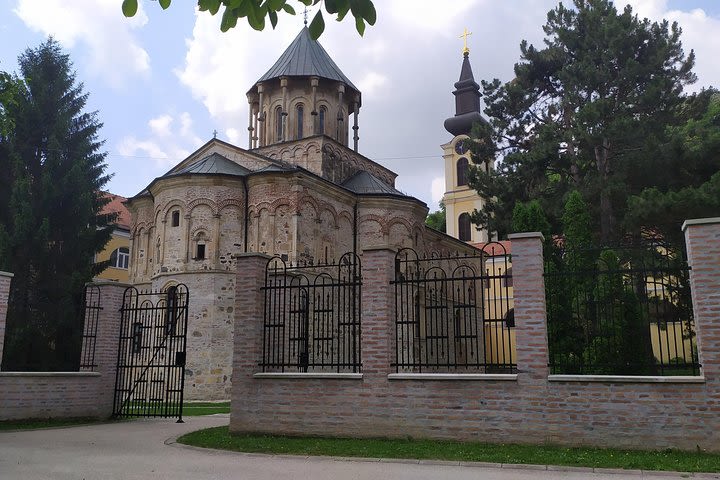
{"x": 164, "y": 81}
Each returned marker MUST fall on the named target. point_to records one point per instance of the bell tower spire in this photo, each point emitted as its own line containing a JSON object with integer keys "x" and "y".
{"x": 460, "y": 199}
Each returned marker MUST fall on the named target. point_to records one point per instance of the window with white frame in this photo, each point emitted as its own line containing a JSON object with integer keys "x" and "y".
{"x": 120, "y": 258}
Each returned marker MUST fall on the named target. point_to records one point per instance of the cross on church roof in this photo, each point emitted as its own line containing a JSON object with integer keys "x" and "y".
{"x": 305, "y": 14}
{"x": 464, "y": 36}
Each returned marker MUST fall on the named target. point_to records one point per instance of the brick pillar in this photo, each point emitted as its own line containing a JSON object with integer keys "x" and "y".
{"x": 247, "y": 342}
{"x": 5, "y": 279}
{"x": 529, "y": 303}
{"x": 702, "y": 238}
{"x": 106, "y": 342}
{"x": 377, "y": 310}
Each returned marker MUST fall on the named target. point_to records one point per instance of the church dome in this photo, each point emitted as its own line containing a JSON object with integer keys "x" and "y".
{"x": 305, "y": 57}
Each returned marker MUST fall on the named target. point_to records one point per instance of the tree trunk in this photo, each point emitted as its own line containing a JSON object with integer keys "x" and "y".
{"x": 607, "y": 217}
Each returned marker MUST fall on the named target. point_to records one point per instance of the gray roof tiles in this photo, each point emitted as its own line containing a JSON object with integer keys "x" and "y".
{"x": 365, "y": 182}
{"x": 306, "y": 57}
{"x": 212, "y": 164}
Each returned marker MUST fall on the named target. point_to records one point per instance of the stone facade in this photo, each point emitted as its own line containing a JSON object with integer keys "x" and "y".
{"x": 528, "y": 407}
{"x": 299, "y": 193}
{"x": 187, "y": 227}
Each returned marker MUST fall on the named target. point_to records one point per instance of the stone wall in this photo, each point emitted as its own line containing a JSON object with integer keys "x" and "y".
{"x": 25, "y": 395}
{"x": 528, "y": 407}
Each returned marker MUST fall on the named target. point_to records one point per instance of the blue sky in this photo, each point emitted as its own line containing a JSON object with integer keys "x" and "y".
{"x": 164, "y": 81}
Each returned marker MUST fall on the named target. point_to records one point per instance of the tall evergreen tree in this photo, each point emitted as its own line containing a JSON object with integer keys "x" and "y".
{"x": 50, "y": 228}
{"x": 587, "y": 112}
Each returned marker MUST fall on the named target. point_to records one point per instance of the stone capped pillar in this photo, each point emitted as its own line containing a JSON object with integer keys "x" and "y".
{"x": 106, "y": 341}
{"x": 530, "y": 312}
{"x": 377, "y": 309}
{"x": 5, "y": 279}
{"x": 702, "y": 238}
{"x": 248, "y": 339}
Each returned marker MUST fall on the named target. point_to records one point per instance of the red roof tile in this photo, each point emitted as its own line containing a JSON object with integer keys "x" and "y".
{"x": 502, "y": 247}
{"x": 115, "y": 205}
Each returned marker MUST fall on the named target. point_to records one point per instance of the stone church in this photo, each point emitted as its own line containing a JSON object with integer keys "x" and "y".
{"x": 300, "y": 191}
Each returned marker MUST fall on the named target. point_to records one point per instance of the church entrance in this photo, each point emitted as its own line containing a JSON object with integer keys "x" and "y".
{"x": 150, "y": 376}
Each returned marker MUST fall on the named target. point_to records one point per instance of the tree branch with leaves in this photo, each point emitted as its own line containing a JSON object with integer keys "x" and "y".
{"x": 257, "y": 11}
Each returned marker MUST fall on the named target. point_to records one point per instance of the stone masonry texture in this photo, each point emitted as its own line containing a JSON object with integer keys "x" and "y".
{"x": 530, "y": 409}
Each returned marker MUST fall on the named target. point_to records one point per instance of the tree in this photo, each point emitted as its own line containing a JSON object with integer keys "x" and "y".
{"x": 692, "y": 167}
{"x": 256, "y": 11}
{"x": 587, "y": 112}
{"x": 49, "y": 223}
{"x": 436, "y": 220}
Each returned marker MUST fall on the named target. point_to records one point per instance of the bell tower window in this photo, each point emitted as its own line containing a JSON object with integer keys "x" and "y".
{"x": 321, "y": 120}
{"x": 464, "y": 227}
{"x": 299, "y": 110}
{"x": 462, "y": 172}
{"x": 278, "y": 124}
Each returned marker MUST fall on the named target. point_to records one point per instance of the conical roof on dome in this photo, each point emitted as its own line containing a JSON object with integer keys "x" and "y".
{"x": 305, "y": 57}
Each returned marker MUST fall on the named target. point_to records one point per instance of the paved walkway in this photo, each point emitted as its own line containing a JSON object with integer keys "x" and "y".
{"x": 145, "y": 450}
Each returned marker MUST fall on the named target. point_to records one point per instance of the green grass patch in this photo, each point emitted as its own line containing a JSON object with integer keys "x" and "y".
{"x": 34, "y": 424}
{"x": 192, "y": 409}
{"x": 672, "y": 460}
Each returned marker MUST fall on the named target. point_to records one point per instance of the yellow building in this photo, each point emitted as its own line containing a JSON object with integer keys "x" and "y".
{"x": 117, "y": 250}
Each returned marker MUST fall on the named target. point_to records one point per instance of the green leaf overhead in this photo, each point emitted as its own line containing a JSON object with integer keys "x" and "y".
{"x": 129, "y": 7}
{"x": 256, "y": 11}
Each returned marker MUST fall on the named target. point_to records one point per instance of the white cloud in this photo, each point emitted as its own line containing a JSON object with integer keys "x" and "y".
{"x": 165, "y": 145}
{"x": 437, "y": 190}
{"x": 372, "y": 83}
{"x": 160, "y": 126}
{"x": 114, "y": 52}
{"x": 426, "y": 15}
{"x": 215, "y": 70}
{"x": 699, "y": 33}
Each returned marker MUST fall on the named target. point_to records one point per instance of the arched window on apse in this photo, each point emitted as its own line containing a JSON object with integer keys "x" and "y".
{"x": 464, "y": 227}
{"x": 299, "y": 111}
{"x": 462, "y": 172}
{"x": 200, "y": 246}
{"x": 321, "y": 120}
{"x": 278, "y": 124}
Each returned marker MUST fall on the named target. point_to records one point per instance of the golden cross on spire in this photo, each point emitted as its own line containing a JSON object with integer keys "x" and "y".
{"x": 464, "y": 36}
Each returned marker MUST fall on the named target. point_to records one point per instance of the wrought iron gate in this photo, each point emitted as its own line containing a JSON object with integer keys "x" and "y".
{"x": 151, "y": 353}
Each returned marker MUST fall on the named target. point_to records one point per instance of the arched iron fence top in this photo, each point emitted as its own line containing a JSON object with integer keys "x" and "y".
{"x": 460, "y": 271}
{"x": 493, "y": 248}
{"x": 407, "y": 254}
{"x": 435, "y": 272}
{"x": 276, "y": 262}
{"x": 323, "y": 278}
{"x": 130, "y": 297}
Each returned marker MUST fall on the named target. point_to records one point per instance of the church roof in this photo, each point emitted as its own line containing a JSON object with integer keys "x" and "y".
{"x": 365, "y": 182}
{"x": 306, "y": 57}
{"x": 212, "y": 164}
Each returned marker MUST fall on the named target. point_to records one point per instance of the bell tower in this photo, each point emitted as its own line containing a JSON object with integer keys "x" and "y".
{"x": 460, "y": 200}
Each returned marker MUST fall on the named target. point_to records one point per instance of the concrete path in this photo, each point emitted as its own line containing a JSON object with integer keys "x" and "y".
{"x": 145, "y": 450}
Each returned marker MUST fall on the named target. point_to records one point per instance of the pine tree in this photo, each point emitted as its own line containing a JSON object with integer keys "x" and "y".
{"x": 587, "y": 112}
{"x": 50, "y": 228}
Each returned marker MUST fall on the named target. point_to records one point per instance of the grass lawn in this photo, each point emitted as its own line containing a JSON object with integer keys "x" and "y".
{"x": 445, "y": 450}
{"x": 192, "y": 409}
{"x": 47, "y": 423}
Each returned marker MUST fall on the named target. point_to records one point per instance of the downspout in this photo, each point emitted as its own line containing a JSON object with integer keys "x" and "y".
{"x": 247, "y": 212}
{"x": 355, "y": 227}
